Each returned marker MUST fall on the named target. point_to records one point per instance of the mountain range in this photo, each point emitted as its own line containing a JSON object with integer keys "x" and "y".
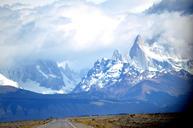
{"x": 149, "y": 76}
{"x": 147, "y": 66}
{"x": 43, "y": 76}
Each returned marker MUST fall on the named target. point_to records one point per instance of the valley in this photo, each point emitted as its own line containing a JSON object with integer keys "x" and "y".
{"x": 119, "y": 84}
{"x": 159, "y": 120}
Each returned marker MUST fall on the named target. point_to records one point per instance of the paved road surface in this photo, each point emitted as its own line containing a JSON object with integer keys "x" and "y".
{"x": 63, "y": 123}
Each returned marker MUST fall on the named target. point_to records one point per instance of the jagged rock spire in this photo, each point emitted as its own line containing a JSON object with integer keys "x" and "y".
{"x": 135, "y": 49}
{"x": 137, "y": 54}
{"x": 117, "y": 56}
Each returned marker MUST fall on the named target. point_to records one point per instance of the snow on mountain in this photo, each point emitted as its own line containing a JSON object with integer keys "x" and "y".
{"x": 137, "y": 54}
{"x": 5, "y": 81}
{"x": 70, "y": 77}
{"x": 118, "y": 74}
{"x": 43, "y": 76}
{"x": 104, "y": 72}
{"x": 145, "y": 61}
{"x": 149, "y": 56}
{"x": 154, "y": 57}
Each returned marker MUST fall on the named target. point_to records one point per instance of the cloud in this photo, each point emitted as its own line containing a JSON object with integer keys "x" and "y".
{"x": 96, "y": 1}
{"x": 82, "y": 31}
{"x": 25, "y": 3}
{"x": 184, "y": 6}
{"x": 61, "y": 29}
{"x": 127, "y": 6}
{"x": 90, "y": 26}
{"x": 171, "y": 30}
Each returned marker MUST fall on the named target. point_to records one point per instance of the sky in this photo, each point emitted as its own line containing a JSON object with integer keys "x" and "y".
{"x": 82, "y": 31}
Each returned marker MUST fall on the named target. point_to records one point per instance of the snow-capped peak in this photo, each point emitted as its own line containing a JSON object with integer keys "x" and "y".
{"x": 146, "y": 61}
{"x": 5, "y": 81}
{"x": 152, "y": 57}
{"x": 137, "y": 54}
{"x": 136, "y": 46}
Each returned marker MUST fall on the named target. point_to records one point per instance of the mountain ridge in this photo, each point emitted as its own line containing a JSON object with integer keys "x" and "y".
{"x": 117, "y": 74}
{"x": 42, "y": 76}
{"x": 111, "y": 86}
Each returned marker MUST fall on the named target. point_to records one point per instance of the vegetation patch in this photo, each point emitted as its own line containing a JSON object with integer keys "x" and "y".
{"x": 24, "y": 124}
{"x": 130, "y": 121}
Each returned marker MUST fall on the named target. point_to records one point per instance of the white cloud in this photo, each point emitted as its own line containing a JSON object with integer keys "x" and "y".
{"x": 90, "y": 26}
{"x": 128, "y": 6}
{"x": 171, "y": 29}
{"x": 75, "y": 29}
{"x": 183, "y": 6}
{"x": 26, "y": 3}
{"x": 96, "y": 1}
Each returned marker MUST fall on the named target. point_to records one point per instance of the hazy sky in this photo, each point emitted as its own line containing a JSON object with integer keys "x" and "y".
{"x": 81, "y": 31}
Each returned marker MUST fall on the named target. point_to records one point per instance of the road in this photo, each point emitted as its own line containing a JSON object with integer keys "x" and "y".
{"x": 63, "y": 123}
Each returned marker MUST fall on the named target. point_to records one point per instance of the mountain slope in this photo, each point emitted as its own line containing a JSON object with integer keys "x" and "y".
{"x": 70, "y": 77}
{"x": 19, "y": 104}
{"x": 42, "y": 76}
{"x": 144, "y": 75}
{"x": 151, "y": 56}
{"x": 6, "y": 81}
{"x": 141, "y": 83}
